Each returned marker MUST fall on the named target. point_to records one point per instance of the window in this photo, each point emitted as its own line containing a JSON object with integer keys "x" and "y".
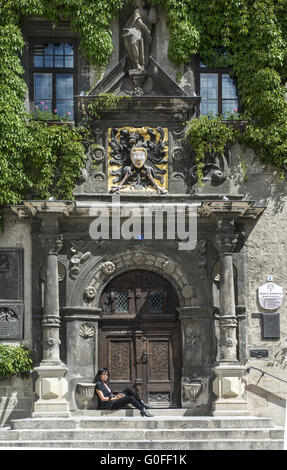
{"x": 122, "y": 301}
{"x": 53, "y": 77}
{"x": 155, "y": 302}
{"x": 217, "y": 91}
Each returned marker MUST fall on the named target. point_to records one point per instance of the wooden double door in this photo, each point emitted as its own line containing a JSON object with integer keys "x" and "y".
{"x": 139, "y": 338}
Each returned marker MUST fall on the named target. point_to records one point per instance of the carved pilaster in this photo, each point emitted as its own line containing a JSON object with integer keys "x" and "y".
{"x": 51, "y": 386}
{"x": 225, "y": 243}
{"x": 229, "y": 384}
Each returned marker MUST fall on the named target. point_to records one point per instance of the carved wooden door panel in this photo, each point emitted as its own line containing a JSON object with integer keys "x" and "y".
{"x": 116, "y": 352}
{"x": 139, "y": 338}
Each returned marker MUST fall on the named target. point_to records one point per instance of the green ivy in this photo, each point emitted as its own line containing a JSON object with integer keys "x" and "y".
{"x": 102, "y": 102}
{"x": 15, "y": 360}
{"x": 250, "y": 36}
{"x": 208, "y": 135}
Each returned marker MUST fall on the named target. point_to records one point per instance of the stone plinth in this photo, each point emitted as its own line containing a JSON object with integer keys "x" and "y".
{"x": 51, "y": 387}
{"x": 229, "y": 389}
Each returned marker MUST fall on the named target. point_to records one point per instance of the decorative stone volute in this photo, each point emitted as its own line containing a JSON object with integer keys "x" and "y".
{"x": 225, "y": 243}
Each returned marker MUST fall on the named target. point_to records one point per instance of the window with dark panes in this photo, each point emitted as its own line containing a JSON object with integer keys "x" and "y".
{"x": 155, "y": 302}
{"x": 122, "y": 301}
{"x": 53, "y": 77}
{"x": 217, "y": 91}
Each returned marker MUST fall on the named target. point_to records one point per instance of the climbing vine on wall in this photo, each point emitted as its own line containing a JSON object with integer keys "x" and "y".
{"x": 247, "y": 35}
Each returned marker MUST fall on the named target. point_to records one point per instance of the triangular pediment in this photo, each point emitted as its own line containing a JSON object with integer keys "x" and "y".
{"x": 154, "y": 81}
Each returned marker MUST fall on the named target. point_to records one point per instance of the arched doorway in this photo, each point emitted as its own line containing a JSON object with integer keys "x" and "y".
{"x": 139, "y": 337}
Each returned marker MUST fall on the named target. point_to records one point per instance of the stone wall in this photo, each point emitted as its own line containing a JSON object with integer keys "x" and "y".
{"x": 16, "y": 395}
{"x": 16, "y": 399}
{"x": 264, "y": 254}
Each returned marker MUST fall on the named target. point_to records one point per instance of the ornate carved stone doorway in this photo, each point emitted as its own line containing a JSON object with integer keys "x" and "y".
{"x": 139, "y": 337}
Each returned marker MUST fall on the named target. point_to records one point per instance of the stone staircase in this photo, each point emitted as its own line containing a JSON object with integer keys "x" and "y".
{"x": 126, "y": 429}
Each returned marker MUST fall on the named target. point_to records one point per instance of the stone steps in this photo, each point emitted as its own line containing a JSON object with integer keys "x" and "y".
{"x": 235, "y": 444}
{"x": 162, "y": 432}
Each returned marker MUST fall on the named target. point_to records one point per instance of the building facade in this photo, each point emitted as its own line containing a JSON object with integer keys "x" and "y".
{"x": 145, "y": 272}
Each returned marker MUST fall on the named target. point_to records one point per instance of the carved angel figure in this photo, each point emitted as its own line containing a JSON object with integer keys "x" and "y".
{"x": 138, "y": 159}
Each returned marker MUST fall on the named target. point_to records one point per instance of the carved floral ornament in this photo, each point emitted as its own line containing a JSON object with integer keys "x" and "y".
{"x": 90, "y": 293}
{"x": 108, "y": 268}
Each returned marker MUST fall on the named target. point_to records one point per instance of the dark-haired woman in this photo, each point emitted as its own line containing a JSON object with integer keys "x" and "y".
{"x": 109, "y": 401}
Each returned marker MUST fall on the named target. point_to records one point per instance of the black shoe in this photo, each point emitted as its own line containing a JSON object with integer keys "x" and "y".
{"x": 145, "y": 405}
{"x": 144, "y": 412}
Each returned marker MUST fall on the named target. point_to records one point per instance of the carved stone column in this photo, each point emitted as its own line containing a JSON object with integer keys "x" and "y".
{"x": 225, "y": 245}
{"x": 229, "y": 383}
{"x": 51, "y": 386}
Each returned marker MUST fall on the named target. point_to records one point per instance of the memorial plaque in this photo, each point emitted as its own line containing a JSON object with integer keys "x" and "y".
{"x": 11, "y": 274}
{"x": 270, "y": 325}
{"x": 270, "y": 296}
{"x": 11, "y": 321}
{"x": 259, "y": 353}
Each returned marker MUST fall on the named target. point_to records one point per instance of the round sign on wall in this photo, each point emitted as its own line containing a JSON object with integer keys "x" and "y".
{"x": 270, "y": 296}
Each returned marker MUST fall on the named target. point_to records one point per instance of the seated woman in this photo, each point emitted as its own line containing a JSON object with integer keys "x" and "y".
{"x": 109, "y": 401}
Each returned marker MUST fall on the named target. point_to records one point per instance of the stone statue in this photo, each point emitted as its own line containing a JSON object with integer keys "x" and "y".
{"x": 136, "y": 34}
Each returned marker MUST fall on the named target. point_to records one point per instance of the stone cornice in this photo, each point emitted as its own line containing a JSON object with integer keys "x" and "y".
{"x": 237, "y": 209}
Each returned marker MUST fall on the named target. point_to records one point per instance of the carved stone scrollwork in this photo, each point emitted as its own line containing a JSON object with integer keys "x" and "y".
{"x": 82, "y": 251}
{"x": 215, "y": 170}
{"x": 177, "y": 153}
{"x": 225, "y": 243}
{"x": 98, "y": 154}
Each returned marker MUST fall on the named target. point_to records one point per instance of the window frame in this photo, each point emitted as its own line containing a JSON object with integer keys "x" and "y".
{"x": 219, "y": 71}
{"x": 53, "y": 70}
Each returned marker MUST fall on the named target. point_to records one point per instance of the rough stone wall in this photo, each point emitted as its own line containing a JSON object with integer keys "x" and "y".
{"x": 264, "y": 254}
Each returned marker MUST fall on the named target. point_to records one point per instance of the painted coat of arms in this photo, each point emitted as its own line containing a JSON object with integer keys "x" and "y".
{"x": 138, "y": 160}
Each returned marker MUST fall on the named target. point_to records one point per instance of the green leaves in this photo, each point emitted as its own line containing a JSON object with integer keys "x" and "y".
{"x": 208, "y": 135}
{"x": 15, "y": 360}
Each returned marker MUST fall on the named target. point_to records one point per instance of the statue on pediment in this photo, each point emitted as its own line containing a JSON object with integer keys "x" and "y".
{"x": 136, "y": 34}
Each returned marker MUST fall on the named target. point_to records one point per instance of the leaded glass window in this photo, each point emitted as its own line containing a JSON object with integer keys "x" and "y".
{"x": 155, "y": 302}
{"x": 122, "y": 301}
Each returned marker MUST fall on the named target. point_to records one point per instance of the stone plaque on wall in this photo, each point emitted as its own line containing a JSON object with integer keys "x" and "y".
{"x": 11, "y": 274}
{"x": 11, "y": 321}
{"x": 11, "y": 293}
